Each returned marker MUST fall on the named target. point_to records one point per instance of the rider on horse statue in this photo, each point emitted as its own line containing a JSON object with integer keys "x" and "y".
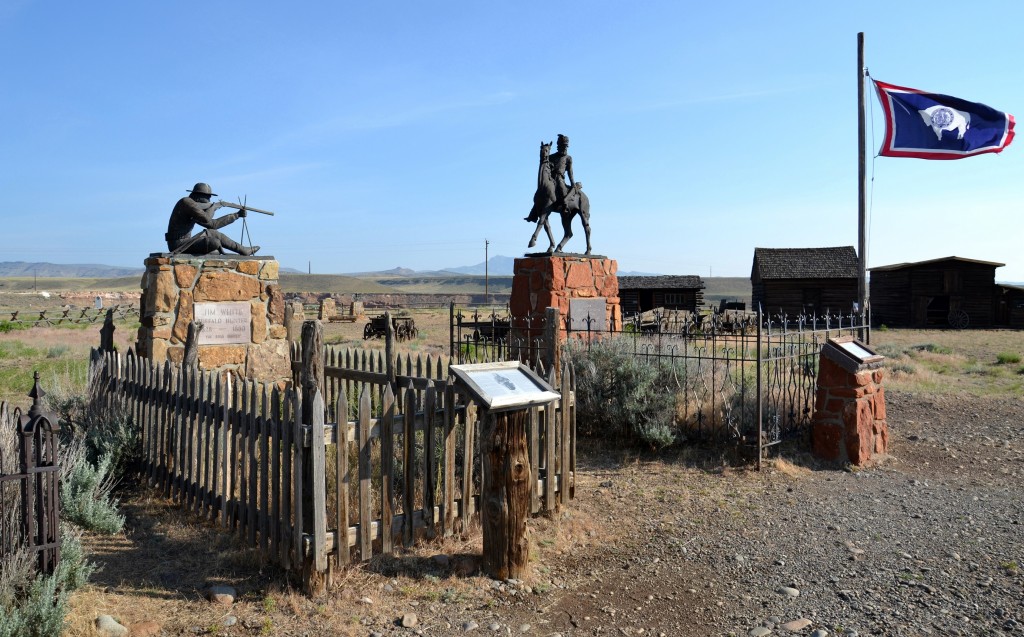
{"x": 555, "y": 195}
{"x": 560, "y": 165}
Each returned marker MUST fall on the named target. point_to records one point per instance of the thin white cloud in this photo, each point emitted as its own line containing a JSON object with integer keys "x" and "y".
{"x": 404, "y": 116}
{"x": 738, "y": 96}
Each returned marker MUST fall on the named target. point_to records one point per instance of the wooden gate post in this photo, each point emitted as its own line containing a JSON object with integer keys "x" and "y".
{"x": 505, "y": 495}
{"x": 552, "y": 333}
{"x": 311, "y": 379}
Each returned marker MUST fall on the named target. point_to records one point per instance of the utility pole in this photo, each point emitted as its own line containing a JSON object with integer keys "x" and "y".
{"x": 862, "y": 243}
{"x": 487, "y": 287}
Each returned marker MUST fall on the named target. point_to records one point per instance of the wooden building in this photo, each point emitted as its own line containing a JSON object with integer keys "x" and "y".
{"x": 946, "y": 292}
{"x": 642, "y": 293}
{"x": 1009, "y": 305}
{"x": 797, "y": 281}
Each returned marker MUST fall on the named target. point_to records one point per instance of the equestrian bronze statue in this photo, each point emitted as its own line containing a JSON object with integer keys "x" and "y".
{"x": 555, "y": 195}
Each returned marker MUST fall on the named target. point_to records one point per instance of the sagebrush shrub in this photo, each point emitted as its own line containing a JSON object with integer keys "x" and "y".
{"x": 621, "y": 395}
{"x": 38, "y": 608}
{"x": 85, "y": 498}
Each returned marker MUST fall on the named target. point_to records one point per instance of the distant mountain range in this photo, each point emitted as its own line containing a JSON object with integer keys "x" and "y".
{"x": 497, "y": 266}
{"x": 64, "y": 270}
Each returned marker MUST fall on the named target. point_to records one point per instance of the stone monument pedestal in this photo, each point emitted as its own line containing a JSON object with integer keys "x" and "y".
{"x": 581, "y": 287}
{"x": 849, "y": 413}
{"x": 239, "y": 301}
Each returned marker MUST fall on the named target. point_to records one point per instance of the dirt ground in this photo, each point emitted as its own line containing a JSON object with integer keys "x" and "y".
{"x": 677, "y": 543}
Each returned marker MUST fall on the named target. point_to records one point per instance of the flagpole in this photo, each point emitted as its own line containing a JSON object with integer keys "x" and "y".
{"x": 862, "y": 284}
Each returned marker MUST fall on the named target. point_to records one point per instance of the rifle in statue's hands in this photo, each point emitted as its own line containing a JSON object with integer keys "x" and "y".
{"x": 243, "y": 207}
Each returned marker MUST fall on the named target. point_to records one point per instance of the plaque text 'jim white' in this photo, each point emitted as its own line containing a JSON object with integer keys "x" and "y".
{"x": 224, "y": 323}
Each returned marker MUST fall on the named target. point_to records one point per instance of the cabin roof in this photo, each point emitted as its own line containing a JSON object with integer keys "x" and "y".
{"x": 664, "y": 282}
{"x": 900, "y": 266}
{"x": 805, "y": 263}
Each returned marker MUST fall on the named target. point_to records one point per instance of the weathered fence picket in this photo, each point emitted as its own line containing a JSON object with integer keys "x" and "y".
{"x": 239, "y": 452}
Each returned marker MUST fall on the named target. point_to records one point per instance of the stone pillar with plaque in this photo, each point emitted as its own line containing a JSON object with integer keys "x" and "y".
{"x": 849, "y": 424}
{"x": 237, "y": 299}
{"x": 584, "y": 288}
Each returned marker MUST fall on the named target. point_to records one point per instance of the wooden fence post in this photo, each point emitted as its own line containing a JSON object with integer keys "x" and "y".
{"x": 505, "y": 496}
{"x": 312, "y": 382}
{"x": 552, "y": 352}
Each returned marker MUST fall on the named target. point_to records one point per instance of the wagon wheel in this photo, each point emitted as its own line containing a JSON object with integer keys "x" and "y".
{"x": 367, "y": 331}
{"x": 959, "y": 319}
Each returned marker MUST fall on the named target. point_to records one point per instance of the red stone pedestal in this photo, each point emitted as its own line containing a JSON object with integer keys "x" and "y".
{"x": 849, "y": 414}
{"x": 552, "y": 281}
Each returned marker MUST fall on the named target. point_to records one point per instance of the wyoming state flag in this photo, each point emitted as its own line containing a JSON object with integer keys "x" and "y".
{"x": 933, "y": 126}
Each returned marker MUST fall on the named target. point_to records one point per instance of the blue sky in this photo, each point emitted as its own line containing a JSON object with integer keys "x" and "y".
{"x": 405, "y": 133}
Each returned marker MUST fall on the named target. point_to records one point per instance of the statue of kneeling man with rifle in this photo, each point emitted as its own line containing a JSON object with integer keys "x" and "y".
{"x": 196, "y": 208}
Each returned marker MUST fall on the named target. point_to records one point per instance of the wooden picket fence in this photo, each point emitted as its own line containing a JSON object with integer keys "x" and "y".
{"x": 317, "y": 496}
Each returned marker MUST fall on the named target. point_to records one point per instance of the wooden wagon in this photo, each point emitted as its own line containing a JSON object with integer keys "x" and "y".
{"x": 403, "y": 326}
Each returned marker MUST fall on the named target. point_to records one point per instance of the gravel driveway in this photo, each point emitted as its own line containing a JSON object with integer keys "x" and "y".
{"x": 928, "y": 541}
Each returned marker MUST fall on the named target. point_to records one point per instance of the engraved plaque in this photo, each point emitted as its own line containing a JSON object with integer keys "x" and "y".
{"x": 592, "y": 312}
{"x": 224, "y": 323}
{"x": 504, "y": 386}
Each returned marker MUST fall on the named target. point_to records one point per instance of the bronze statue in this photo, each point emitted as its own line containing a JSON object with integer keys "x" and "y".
{"x": 197, "y": 209}
{"x": 554, "y": 194}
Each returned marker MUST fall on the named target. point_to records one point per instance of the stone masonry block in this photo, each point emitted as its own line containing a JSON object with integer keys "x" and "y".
{"x": 259, "y": 321}
{"x": 269, "y": 271}
{"x": 826, "y": 441}
{"x": 214, "y": 356}
{"x": 185, "y": 275}
{"x": 249, "y": 267}
{"x": 579, "y": 276}
{"x": 185, "y": 316}
{"x": 225, "y": 286}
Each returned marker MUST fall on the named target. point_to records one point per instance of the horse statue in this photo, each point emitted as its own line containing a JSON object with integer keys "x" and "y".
{"x": 545, "y": 202}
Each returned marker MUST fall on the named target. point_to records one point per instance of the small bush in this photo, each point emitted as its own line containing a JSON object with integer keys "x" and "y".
{"x": 57, "y": 351}
{"x": 1004, "y": 358}
{"x": 9, "y": 326}
{"x": 889, "y": 350}
{"x": 38, "y": 608}
{"x": 85, "y": 498}
{"x": 932, "y": 348}
{"x": 620, "y": 395}
{"x": 903, "y": 368}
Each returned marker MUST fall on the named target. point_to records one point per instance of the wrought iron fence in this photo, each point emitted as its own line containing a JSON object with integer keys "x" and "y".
{"x": 742, "y": 377}
{"x": 480, "y": 336}
{"x": 29, "y": 483}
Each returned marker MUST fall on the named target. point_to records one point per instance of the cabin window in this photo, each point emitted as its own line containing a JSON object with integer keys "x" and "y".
{"x": 673, "y": 298}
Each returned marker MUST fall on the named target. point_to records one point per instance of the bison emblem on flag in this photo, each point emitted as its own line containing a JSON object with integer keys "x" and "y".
{"x": 942, "y": 118}
{"x": 935, "y": 126}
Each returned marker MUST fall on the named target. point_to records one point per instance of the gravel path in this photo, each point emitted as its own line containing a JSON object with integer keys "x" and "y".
{"x": 929, "y": 541}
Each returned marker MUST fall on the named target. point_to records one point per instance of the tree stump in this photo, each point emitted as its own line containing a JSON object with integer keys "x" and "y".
{"x": 505, "y": 499}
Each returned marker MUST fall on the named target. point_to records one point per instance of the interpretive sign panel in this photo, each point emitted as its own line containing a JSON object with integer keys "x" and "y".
{"x": 224, "y": 323}
{"x": 851, "y": 354}
{"x": 503, "y": 386}
{"x": 589, "y": 314}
